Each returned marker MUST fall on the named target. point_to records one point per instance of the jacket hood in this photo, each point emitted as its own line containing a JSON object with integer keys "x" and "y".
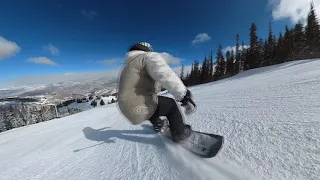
{"x": 131, "y": 54}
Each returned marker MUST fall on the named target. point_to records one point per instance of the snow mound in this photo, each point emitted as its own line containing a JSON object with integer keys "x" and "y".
{"x": 269, "y": 117}
{"x": 108, "y": 99}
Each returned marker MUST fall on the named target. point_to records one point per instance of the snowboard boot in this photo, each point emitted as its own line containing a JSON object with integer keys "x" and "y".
{"x": 180, "y": 137}
{"x": 161, "y": 126}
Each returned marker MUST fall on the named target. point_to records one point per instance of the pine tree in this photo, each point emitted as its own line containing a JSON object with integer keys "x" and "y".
{"x": 268, "y": 58}
{"x": 288, "y": 44}
{"x": 247, "y": 56}
{"x": 253, "y": 50}
{"x": 192, "y": 71}
{"x": 195, "y": 75}
{"x": 260, "y": 53}
{"x": 211, "y": 66}
{"x": 237, "y": 56}
{"x": 233, "y": 58}
{"x": 102, "y": 103}
{"x": 229, "y": 65}
{"x": 182, "y": 72}
{"x": 112, "y": 100}
{"x": 228, "y": 62}
{"x": 186, "y": 81}
{"x": 312, "y": 32}
{"x": 94, "y": 103}
{"x": 191, "y": 78}
{"x": 220, "y": 67}
{"x": 243, "y": 57}
{"x": 205, "y": 71}
{"x": 191, "y": 75}
{"x": 280, "y": 50}
{"x": 299, "y": 39}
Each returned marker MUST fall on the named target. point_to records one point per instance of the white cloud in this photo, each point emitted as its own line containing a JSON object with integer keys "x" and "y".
{"x": 90, "y": 14}
{"x": 8, "y": 48}
{"x": 108, "y": 62}
{"x": 294, "y": 10}
{"x": 200, "y": 38}
{"x": 52, "y": 49}
{"x": 230, "y": 48}
{"x": 42, "y": 60}
{"x": 170, "y": 59}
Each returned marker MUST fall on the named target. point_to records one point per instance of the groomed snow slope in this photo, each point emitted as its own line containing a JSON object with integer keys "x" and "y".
{"x": 270, "y": 118}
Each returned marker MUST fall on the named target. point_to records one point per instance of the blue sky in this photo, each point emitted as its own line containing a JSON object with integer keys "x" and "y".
{"x": 40, "y": 38}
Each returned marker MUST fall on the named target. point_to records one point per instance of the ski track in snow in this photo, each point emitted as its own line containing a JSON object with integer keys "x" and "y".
{"x": 269, "y": 116}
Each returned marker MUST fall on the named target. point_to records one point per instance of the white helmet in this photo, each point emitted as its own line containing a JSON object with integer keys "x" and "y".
{"x": 147, "y": 45}
{"x": 143, "y": 46}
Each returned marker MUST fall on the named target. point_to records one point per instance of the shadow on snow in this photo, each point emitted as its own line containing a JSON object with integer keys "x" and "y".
{"x": 104, "y": 135}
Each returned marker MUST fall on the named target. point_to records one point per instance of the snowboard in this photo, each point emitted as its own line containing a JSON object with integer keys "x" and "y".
{"x": 208, "y": 148}
{"x": 205, "y": 145}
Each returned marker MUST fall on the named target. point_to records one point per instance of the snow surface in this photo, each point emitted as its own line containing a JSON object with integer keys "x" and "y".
{"x": 270, "y": 118}
{"x": 4, "y": 102}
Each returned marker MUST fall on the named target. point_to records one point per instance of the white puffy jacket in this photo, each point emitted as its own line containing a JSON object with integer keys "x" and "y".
{"x": 140, "y": 81}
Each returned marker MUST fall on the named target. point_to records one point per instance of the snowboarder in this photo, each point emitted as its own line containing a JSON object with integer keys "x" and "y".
{"x": 141, "y": 78}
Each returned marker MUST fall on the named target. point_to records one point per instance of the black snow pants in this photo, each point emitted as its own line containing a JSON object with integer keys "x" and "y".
{"x": 168, "y": 107}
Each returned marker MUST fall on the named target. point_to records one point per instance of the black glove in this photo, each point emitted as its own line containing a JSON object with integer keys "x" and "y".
{"x": 161, "y": 125}
{"x": 188, "y": 103}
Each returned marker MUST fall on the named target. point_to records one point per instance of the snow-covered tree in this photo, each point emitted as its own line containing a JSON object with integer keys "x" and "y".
{"x": 102, "y": 102}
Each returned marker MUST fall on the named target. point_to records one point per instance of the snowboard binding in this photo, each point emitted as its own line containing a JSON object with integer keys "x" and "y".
{"x": 162, "y": 127}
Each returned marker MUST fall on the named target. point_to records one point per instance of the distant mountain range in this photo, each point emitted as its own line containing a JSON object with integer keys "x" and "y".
{"x": 64, "y": 90}
{"x": 57, "y": 88}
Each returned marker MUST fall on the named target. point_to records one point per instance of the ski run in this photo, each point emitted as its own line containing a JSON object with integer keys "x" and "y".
{"x": 270, "y": 118}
